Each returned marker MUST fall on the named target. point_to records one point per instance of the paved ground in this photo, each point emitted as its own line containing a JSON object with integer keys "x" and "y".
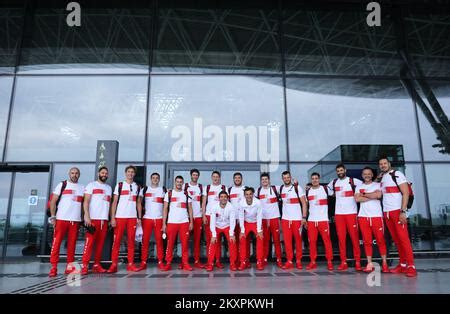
{"x": 31, "y": 277}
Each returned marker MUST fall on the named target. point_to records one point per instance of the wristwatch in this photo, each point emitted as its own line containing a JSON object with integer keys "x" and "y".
{"x": 406, "y": 212}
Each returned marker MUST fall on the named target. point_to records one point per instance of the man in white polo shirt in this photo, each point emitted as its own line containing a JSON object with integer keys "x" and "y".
{"x": 236, "y": 194}
{"x": 370, "y": 218}
{"x": 293, "y": 219}
{"x": 223, "y": 221}
{"x": 317, "y": 196}
{"x": 211, "y": 199}
{"x": 125, "y": 215}
{"x": 151, "y": 200}
{"x": 395, "y": 206}
{"x": 195, "y": 191}
{"x": 268, "y": 195}
{"x": 97, "y": 199}
{"x": 250, "y": 220}
{"x": 346, "y": 211}
{"x": 177, "y": 220}
{"x": 65, "y": 211}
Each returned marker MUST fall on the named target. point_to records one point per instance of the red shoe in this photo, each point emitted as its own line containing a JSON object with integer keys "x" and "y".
{"x": 98, "y": 269}
{"x": 161, "y": 265}
{"x": 288, "y": 265}
{"x": 358, "y": 266}
{"x": 69, "y": 269}
{"x": 187, "y": 267}
{"x": 343, "y": 266}
{"x": 53, "y": 271}
{"x": 197, "y": 264}
{"x": 369, "y": 268}
{"x": 242, "y": 266}
{"x": 260, "y": 265}
{"x": 132, "y": 267}
{"x": 265, "y": 262}
{"x": 279, "y": 263}
{"x": 209, "y": 267}
{"x": 219, "y": 265}
{"x": 399, "y": 269}
{"x": 143, "y": 266}
{"x": 85, "y": 269}
{"x": 298, "y": 264}
{"x": 233, "y": 267}
{"x": 311, "y": 266}
{"x": 385, "y": 268}
{"x": 180, "y": 266}
{"x": 330, "y": 265}
{"x": 411, "y": 271}
{"x": 112, "y": 268}
{"x": 166, "y": 267}
{"x": 248, "y": 264}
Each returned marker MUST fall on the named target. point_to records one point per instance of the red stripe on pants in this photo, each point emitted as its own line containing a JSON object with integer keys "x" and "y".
{"x": 172, "y": 231}
{"x": 291, "y": 228}
{"x": 63, "y": 227}
{"x": 148, "y": 225}
{"x": 314, "y": 228}
{"x": 198, "y": 222}
{"x": 372, "y": 226}
{"x": 98, "y": 238}
{"x": 348, "y": 224}
{"x": 243, "y": 242}
{"x": 272, "y": 227}
{"x": 208, "y": 235}
{"x": 231, "y": 246}
{"x": 400, "y": 235}
{"x": 121, "y": 224}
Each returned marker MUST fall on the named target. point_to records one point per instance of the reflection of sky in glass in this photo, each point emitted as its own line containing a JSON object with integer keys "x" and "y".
{"x": 219, "y": 100}
{"x": 318, "y": 123}
{"x": 438, "y": 187}
{"x": 61, "y": 118}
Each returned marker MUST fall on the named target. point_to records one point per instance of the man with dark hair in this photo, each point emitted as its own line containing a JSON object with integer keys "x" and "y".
{"x": 317, "y": 197}
{"x": 223, "y": 221}
{"x": 346, "y": 211}
{"x": 151, "y": 202}
{"x": 268, "y": 195}
{"x": 97, "y": 199}
{"x": 211, "y": 199}
{"x": 293, "y": 219}
{"x": 195, "y": 191}
{"x": 177, "y": 219}
{"x": 236, "y": 194}
{"x": 125, "y": 215}
{"x": 396, "y": 193}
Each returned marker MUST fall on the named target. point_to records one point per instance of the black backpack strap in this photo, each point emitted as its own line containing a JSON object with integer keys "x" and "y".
{"x": 201, "y": 190}
{"x": 208, "y": 187}
{"x": 229, "y": 190}
{"x": 119, "y": 191}
{"x": 296, "y": 192}
{"x": 164, "y": 189}
{"x": 274, "y": 189}
{"x": 186, "y": 187}
{"x": 224, "y": 188}
{"x": 352, "y": 184}
{"x": 334, "y": 185}
{"x": 259, "y": 192}
{"x": 63, "y": 187}
{"x": 325, "y": 189}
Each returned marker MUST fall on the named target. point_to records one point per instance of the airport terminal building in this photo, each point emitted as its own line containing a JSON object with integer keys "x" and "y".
{"x": 221, "y": 85}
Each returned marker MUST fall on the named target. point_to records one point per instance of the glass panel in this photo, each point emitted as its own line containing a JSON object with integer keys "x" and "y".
{"x": 216, "y": 118}
{"x": 109, "y": 40}
{"x": 338, "y": 41}
{"x": 61, "y": 118}
{"x": 438, "y": 187}
{"x": 11, "y": 21}
{"x": 5, "y": 186}
{"x": 217, "y": 40}
{"x": 329, "y": 114}
{"x": 435, "y": 132}
{"x": 5, "y": 96}
{"x": 26, "y": 223}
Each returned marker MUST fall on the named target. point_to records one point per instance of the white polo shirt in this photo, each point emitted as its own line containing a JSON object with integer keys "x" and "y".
{"x": 154, "y": 202}
{"x": 100, "y": 200}
{"x": 178, "y": 210}
{"x": 269, "y": 203}
{"x": 236, "y": 194}
{"x": 212, "y": 197}
{"x": 370, "y": 208}
{"x": 126, "y": 208}
{"x": 392, "y": 197}
{"x": 345, "y": 201}
{"x": 69, "y": 207}
{"x": 250, "y": 213}
{"x": 318, "y": 203}
{"x": 222, "y": 218}
{"x": 196, "y": 197}
{"x": 292, "y": 209}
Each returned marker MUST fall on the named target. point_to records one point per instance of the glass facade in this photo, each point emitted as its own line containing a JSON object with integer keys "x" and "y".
{"x": 241, "y": 85}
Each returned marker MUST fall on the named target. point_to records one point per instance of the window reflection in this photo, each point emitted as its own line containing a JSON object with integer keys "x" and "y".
{"x": 5, "y": 95}
{"x": 11, "y": 21}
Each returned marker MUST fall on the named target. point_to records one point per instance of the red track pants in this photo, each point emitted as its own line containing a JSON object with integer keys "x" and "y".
{"x": 372, "y": 226}
{"x": 314, "y": 228}
{"x": 198, "y": 222}
{"x": 208, "y": 235}
{"x": 121, "y": 224}
{"x": 272, "y": 226}
{"x": 172, "y": 231}
{"x": 63, "y": 227}
{"x": 291, "y": 228}
{"x": 243, "y": 243}
{"x": 231, "y": 246}
{"x": 348, "y": 223}
{"x": 400, "y": 235}
{"x": 148, "y": 225}
{"x": 98, "y": 238}
{"x": 237, "y": 232}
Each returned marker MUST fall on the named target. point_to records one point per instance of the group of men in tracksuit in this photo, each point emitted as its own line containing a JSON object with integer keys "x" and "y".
{"x": 235, "y": 212}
